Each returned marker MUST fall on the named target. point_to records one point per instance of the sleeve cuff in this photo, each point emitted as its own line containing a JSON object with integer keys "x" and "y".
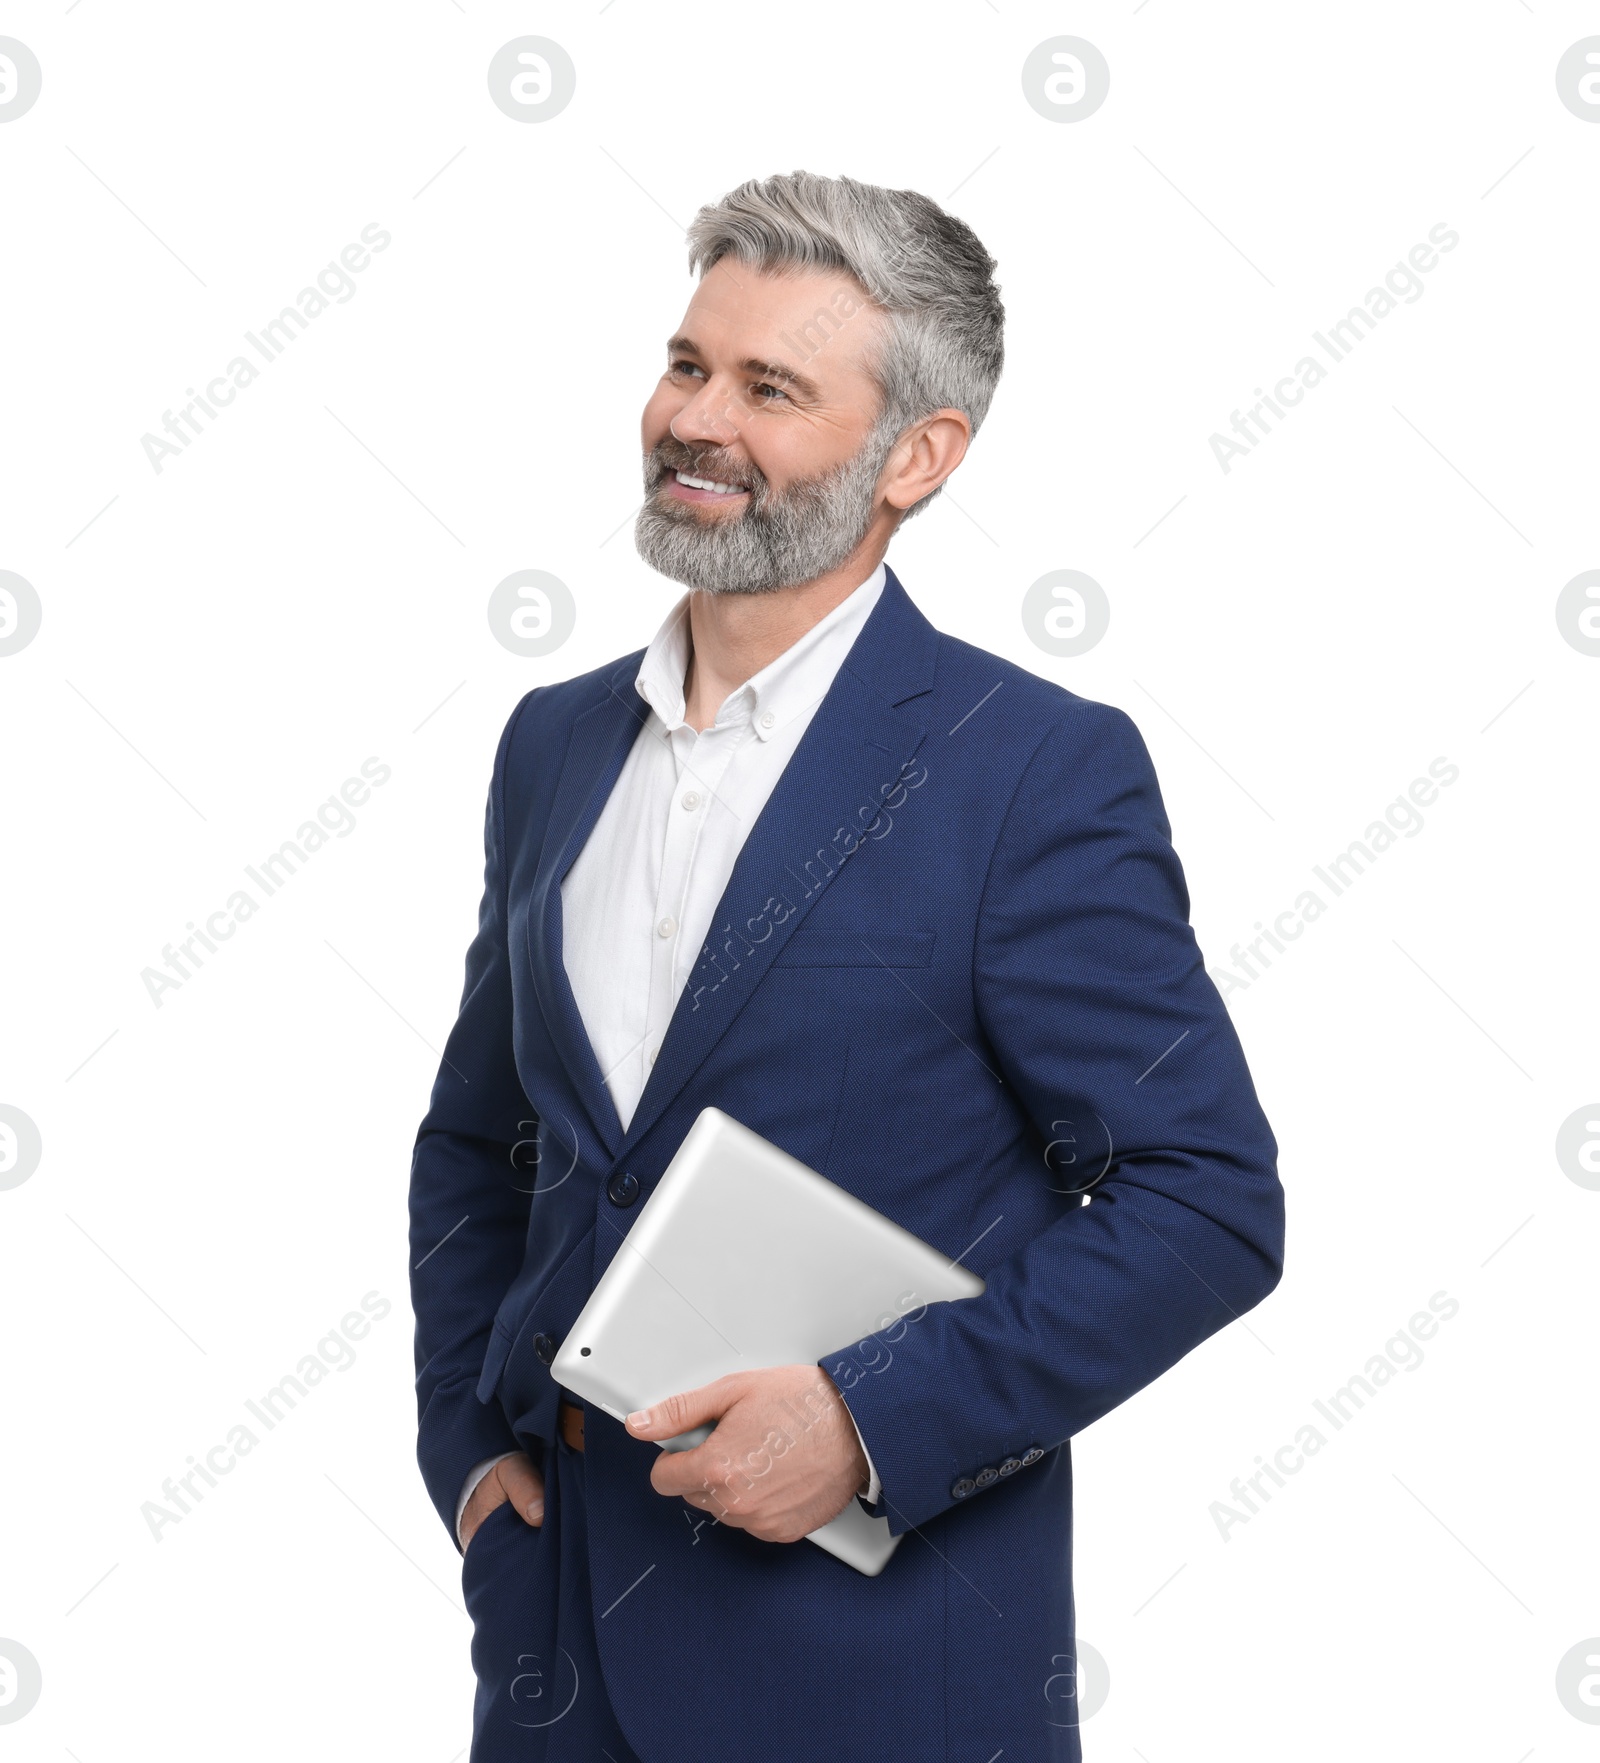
{"x": 873, "y": 1485}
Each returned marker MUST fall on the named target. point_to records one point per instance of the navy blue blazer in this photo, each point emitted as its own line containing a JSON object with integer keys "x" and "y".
{"x": 953, "y": 971}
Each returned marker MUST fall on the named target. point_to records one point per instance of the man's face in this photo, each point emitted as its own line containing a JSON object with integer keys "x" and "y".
{"x": 769, "y": 406}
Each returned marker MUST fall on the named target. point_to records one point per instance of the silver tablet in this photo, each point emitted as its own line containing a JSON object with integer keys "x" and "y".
{"x": 741, "y": 1258}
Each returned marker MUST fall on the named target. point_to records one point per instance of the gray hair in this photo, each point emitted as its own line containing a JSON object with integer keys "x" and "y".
{"x": 926, "y": 271}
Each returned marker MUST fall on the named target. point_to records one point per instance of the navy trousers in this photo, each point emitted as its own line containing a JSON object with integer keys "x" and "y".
{"x": 540, "y": 1695}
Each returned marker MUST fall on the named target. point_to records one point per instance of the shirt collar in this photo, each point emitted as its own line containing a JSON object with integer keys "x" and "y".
{"x": 788, "y": 684}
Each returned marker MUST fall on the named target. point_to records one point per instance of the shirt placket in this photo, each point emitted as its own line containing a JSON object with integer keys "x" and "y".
{"x": 700, "y": 761}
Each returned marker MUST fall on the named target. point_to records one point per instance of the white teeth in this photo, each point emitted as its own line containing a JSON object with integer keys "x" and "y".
{"x": 701, "y": 483}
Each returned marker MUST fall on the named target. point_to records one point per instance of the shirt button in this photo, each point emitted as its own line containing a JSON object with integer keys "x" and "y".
{"x": 691, "y": 799}
{"x": 666, "y": 927}
{"x": 653, "y": 1052}
{"x": 767, "y": 719}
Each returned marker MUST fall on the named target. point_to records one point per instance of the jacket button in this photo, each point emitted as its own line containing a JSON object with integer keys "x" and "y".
{"x": 544, "y": 1349}
{"x": 1011, "y": 1466}
{"x": 987, "y": 1475}
{"x": 1032, "y": 1454}
{"x": 622, "y": 1189}
{"x": 962, "y": 1488}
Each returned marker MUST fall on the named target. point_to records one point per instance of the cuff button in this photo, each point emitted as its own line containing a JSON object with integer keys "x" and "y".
{"x": 1011, "y": 1466}
{"x": 987, "y": 1475}
{"x": 1032, "y": 1454}
{"x": 962, "y": 1488}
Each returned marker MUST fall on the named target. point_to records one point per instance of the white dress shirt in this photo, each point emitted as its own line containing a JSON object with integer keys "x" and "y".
{"x": 638, "y": 902}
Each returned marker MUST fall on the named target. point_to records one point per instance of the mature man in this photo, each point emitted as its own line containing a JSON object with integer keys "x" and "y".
{"x": 911, "y": 913}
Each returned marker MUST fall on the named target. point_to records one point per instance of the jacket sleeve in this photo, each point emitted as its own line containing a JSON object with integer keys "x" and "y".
{"x": 468, "y": 1207}
{"x": 1094, "y": 998}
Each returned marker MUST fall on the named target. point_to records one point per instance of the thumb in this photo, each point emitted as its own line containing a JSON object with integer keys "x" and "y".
{"x": 675, "y": 1414}
{"x": 524, "y": 1486}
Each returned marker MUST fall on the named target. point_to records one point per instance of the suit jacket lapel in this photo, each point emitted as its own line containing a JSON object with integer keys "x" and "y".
{"x": 855, "y": 749}
{"x": 599, "y": 743}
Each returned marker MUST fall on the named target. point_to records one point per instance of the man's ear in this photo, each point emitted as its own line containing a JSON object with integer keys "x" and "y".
{"x": 925, "y": 455}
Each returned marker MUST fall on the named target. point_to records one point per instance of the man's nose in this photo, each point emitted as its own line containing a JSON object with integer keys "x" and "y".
{"x": 713, "y": 415}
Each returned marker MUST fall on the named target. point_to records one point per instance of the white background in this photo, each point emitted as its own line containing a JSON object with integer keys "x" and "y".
{"x": 225, "y": 641}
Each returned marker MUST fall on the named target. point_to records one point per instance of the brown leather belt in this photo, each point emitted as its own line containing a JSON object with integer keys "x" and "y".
{"x": 570, "y": 1417}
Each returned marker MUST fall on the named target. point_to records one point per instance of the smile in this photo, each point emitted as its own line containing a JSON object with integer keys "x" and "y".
{"x": 700, "y": 489}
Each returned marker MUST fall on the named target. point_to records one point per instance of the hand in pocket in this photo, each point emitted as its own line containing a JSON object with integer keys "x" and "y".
{"x": 512, "y": 1478}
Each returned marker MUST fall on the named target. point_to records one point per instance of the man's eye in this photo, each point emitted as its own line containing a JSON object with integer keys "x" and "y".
{"x": 762, "y": 393}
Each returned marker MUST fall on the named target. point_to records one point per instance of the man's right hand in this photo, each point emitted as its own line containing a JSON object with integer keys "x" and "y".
{"x": 513, "y": 1478}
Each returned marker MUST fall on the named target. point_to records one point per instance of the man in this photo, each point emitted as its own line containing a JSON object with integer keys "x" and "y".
{"x": 911, "y": 913}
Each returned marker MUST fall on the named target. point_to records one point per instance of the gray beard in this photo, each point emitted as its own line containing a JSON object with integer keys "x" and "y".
{"x": 776, "y": 541}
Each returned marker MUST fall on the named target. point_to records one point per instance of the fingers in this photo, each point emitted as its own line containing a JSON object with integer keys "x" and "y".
{"x": 522, "y": 1485}
{"x": 709, "y": 1478}
{"x": 787, "y": 1524}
